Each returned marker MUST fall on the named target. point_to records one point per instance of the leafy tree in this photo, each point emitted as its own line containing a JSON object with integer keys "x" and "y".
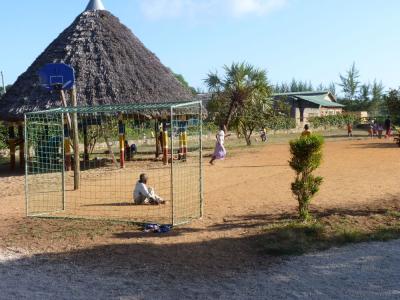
{"x": 321, "y": 87}
{"x": 254, "y": 115}
{"x": 306, "y": 156}
{"x": 392, "y": 101}
{"x": 185, "y": 84}
{"x": 377, "y": 91}
{"x": 365, "y": 91}
{"x": 332, "y": 88}
{"x": 3, "y": 136}
{"x": 294, "y": 87}
{"x": 350, "y": 83}
{"x": 242, "y": 84}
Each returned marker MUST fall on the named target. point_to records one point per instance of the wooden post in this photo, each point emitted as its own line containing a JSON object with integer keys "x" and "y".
{"x": 121, "y": 129}
{"x": 67, "y": 148}
{"x": 180, "y": 151}
{"x": 21, "y": 146}
{"x": 85, "y": 143}
{"x": 64, "y": 102}
{"x": 157, "y": 136}
{"x": 76, "y": 141}
{"x": 184, "y": 144}
{"x": 165, "y": 146}
{"x": 11, "y": 143}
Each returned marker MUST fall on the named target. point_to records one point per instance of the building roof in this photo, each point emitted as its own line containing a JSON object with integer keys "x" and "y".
{"x": 111, "y": 65}
{"x": 322, "y": 98}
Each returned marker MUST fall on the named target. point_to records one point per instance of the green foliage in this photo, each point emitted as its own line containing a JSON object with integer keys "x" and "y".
{"x": 254, "y": 115}
{"x": 3, "y": 136}
{"x": 294, "y": 86}
{"x": 185, "y": 84}
{"x": 242, "y": 84}
{"x": 350, "y": 83}
{"x": 306, "y": 156}
{"x": 392, "y": 101}
{"x": 339, "y": 121}
{"x": 279, "y": 122}
{"x": 241, "y": 98}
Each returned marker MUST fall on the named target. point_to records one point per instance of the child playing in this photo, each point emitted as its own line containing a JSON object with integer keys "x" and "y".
{"x": 220, "y": 151}
{"x": 349, "y": 130}
{"x": 145, "y": 195}
{"x": 306, "y": 132}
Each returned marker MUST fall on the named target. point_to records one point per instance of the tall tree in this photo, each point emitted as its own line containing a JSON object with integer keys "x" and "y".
{"x": 241, "y": 84}
{"x": 332, "y": 88}
{"x": 365, "y": 91}
{"x": 350, "y": 83}
{"x": 183, "y": 81}
{"x": 294, "y": 87}
{"x": 392, "y": 101}
{"x": 377, "y": 91}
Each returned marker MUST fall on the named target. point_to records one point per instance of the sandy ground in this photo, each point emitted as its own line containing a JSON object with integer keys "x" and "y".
{"x": 364, "y": 271}
{"x": 216, "y": 255}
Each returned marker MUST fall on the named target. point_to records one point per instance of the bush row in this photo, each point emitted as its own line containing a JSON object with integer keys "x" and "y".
{"x": 334, "y": 120}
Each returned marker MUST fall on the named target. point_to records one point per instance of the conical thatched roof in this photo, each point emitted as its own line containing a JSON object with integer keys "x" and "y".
{"x": 112, "y": 67}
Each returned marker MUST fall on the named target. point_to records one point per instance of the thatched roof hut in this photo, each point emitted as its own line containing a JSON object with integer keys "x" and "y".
{"x": 112, "y": 66}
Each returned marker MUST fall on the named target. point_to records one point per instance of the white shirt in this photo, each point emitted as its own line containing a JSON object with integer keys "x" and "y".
{"x": 221, "y": 137}
{"x": 141, "y": 190}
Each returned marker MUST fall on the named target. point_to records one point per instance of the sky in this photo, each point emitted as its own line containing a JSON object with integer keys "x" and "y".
{"x": 310, "y": 40}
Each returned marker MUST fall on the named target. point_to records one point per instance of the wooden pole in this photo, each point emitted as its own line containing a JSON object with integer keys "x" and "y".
{"x": 67, "y": 148}
{"x": 121, "y": 130}
{"x": 21, "y": 146}
{"x": 76, "y": 141}
{"x": 184, "y": 144}
{"x": 157, "y": 136}
{"x": 64, "y": 102}
{"x": 11, "y": 143}
{"x": 165, "y": 146}
{"x": 85, "y": 143}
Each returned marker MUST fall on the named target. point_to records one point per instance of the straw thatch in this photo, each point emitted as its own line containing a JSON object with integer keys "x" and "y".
{"x": 112, "y": 67}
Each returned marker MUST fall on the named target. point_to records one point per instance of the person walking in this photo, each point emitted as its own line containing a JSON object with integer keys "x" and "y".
{"x": 220, "y": 151}
{"x": 388, "y": 127}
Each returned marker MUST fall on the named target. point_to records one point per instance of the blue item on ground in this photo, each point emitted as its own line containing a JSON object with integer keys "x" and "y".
{"x": 156, "y": 228}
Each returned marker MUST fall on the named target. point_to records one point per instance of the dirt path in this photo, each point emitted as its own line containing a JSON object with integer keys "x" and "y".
{"x": 216, "y": 254}
{"x": 364, "y": 271}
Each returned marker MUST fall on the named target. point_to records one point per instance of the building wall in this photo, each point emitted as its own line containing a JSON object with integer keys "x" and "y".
{"x": 325, "y": 111}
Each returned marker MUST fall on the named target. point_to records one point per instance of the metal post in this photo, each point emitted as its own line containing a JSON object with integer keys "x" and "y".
{"x": 172, "y": 166}
{"x": 201, "y": 161}
{"x": 26, "y": 167}
{"x": 63, "y": 162}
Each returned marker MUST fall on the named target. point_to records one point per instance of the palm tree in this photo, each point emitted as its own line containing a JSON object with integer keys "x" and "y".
{"x": 241, "y": 84}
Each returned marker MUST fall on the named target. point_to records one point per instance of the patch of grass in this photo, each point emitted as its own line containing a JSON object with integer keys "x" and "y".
{"x": 296, "y": 238}
{"x": 393, "y": 213}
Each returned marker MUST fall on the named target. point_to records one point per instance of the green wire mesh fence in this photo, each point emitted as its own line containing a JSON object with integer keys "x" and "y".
{"x": 84, "y": 162}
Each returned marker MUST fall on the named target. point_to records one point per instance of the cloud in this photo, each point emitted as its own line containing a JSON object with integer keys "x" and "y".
{"x": 172, "y": 9}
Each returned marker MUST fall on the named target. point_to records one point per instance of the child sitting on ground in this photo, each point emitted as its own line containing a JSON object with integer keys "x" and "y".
{"x": 145, "y": 195}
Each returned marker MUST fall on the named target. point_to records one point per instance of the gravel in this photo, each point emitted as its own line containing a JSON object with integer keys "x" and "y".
{"x": 363, "y": 271}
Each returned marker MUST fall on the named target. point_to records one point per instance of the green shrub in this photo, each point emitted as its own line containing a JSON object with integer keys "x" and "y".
{"x": 3, "y": 136}
{"x": 334, "y": 120}
{"x": 306, "y": 157}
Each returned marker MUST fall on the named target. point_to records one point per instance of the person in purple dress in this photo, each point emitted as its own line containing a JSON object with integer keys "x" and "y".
{"x": 220, "y": 151}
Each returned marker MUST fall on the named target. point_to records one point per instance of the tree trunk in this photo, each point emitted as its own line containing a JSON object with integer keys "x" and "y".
{"x": 232, "y": 108}
{"x": 304, "y": 214}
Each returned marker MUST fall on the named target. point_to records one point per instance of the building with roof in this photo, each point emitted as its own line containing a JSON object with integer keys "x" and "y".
{"x": 111, "y": 65}
{"x": 304, "y": 105}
